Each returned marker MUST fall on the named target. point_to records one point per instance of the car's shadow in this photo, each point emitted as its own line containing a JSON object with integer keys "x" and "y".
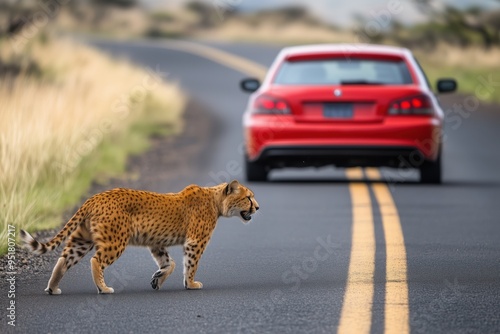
{"x": 445, "y": 183}
{"x": 326, "y": 180}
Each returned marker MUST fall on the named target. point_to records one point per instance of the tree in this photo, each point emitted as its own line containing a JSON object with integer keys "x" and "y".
{"x": 117, "y": 3}
{"x": 19, "y": 15}
{"x": 463, "y": 22}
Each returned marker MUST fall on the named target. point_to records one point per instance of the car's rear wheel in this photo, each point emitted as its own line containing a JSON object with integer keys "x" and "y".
{"x": 430, "y": 171}
{"x": 255, "y": 171}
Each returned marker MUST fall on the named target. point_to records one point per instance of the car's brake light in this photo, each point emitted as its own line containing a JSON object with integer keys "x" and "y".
{"x": 270, "y": 105}
{"x": 414, "y": 105}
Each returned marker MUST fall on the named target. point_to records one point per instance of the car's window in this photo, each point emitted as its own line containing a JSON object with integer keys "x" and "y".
{"x": 343, "y": 72}
{"x": 423, "y": 72}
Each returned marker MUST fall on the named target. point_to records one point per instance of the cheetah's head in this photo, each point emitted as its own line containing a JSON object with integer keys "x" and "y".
{"x": 238, "y": 201}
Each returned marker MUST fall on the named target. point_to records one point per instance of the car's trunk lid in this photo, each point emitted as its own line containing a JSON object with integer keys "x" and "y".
{"x": 342, "y": 103}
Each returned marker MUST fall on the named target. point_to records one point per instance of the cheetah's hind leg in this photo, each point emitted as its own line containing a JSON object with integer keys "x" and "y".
{"x": 75, "y": 249}
{"x": 103, "y": 258}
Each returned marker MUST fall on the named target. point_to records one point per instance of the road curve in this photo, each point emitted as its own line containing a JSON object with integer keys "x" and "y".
{"x": 290, "y": 270}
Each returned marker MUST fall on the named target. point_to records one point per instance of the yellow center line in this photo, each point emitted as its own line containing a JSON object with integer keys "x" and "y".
{"x": 372, "y": 174}
{"x": 396, "y": 309}
{"x": 227, "y": 59}
{"x": 221, "y": 57}
{"x": 356, "y": 311}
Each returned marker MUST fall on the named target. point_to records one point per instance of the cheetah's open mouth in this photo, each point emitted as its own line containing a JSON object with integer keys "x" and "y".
{"x": 246, "y": 215}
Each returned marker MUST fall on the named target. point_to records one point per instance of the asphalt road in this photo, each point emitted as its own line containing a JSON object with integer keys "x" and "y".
{"x": 287, "y": 270}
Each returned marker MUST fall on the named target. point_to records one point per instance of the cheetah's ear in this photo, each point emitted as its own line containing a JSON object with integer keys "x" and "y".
{"x": 232, "y": 187}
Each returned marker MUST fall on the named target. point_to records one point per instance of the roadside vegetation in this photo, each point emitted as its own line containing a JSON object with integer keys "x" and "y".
{"x": 476, "y": 70}
{"x": 464, "y": 44}
{"x": 70, "y": 116}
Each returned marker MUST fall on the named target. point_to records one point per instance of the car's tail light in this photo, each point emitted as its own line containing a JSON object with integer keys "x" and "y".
{"x": 270, "y": 105}
{"x": 413, "y": 105}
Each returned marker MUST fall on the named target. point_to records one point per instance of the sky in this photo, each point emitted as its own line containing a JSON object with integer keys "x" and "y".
{"x": 338, "y": 12}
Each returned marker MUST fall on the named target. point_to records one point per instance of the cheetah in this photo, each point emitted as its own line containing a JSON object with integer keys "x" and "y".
{"x": 114, "y": 219}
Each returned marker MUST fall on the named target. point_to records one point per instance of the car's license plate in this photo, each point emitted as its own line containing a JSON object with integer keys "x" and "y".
{"x": 338, "y": 110}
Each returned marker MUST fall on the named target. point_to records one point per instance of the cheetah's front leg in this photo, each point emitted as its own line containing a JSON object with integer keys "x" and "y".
{"x": 166, "y": 266}
{"x": 192, "y": 255}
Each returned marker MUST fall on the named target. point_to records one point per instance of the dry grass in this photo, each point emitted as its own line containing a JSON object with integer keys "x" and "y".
{"x": 274, "y": 32}
{"x": 54, "y": 123}
{"x": 471, "y": 57}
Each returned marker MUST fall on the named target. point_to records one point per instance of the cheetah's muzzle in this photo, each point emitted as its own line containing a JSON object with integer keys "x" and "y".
{"x": 246, "y": 215}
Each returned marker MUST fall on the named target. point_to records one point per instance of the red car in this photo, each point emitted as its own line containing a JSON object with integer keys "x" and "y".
{"x": 344, "y": 105}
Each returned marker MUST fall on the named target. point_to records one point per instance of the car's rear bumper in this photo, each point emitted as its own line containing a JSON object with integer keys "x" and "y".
{"x": 341, "y": 156}
{"x": 282, "y": 141}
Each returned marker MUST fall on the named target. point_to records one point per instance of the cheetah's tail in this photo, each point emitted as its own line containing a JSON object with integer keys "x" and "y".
{"x": 31, "y": 244}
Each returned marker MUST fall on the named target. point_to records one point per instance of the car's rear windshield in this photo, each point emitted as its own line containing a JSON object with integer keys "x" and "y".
{"x": 344, "y": 72}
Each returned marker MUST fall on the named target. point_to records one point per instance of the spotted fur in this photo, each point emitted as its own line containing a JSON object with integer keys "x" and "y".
{"x": 112, "y": 220}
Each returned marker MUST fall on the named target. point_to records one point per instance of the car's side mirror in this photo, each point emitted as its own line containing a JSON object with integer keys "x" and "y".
{"x": 446, "y": 85}
{"x": 250, "y": 85}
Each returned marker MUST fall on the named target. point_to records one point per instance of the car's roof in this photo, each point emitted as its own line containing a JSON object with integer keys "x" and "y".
{"x": 348, "y": 48}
